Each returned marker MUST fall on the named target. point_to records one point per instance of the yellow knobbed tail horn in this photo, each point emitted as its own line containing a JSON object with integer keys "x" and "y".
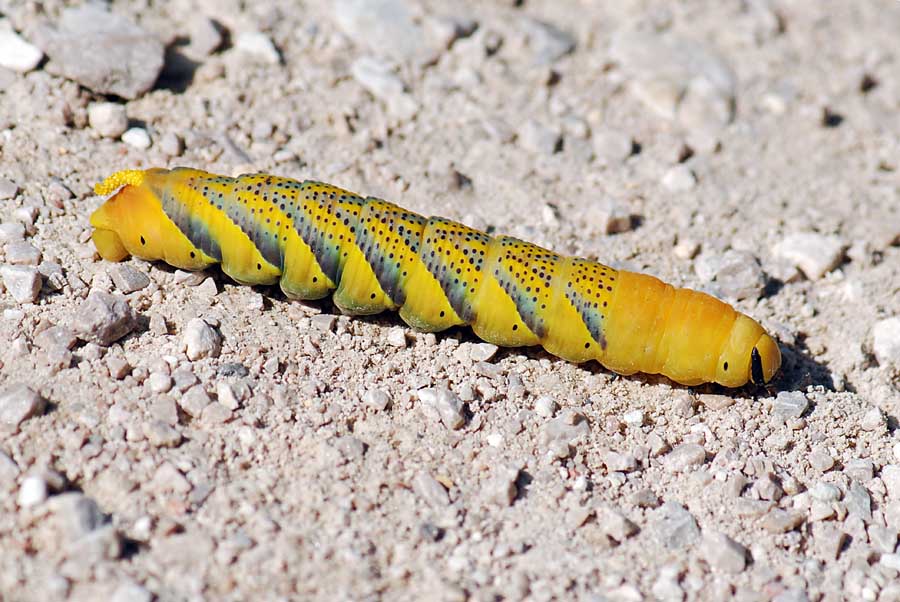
{"x": 126, "y": 177}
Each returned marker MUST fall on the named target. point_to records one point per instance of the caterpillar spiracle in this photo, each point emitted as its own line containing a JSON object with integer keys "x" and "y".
{"x": 315, "y": 239}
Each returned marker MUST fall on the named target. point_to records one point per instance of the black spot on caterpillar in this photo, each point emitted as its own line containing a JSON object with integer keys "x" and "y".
{"x": 315, "y": 239}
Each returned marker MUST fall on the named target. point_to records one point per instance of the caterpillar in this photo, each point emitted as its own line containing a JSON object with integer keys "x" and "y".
{"x": 315, "y": 239}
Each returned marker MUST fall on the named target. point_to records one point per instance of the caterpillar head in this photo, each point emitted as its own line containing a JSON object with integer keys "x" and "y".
{"x": 749, "y": 355}
{"x": 765, "y": 360}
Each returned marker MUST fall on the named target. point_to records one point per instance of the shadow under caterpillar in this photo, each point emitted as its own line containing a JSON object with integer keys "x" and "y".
{"x": 315, "y": 239}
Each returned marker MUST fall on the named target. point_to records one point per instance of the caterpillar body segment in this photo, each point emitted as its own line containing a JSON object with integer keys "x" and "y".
{"x": 315, "y": 239}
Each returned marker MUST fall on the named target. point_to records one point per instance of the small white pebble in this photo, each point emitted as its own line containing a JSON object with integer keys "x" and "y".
{"x": 634, "y": 417}
{"x": 258, "y": 45}
{"x": 679, "y": 179}
{"x": 201, "y": 340}
{"x": 17, "y": 54}
{"x": 545, "y": 406}
{"x": 32, "y": 492}
{"x": 396, "y": 337}
{"x": 495, "y": 439}
{"x": 137, "y": 137}
{"x": 226, "y": 396}
{"x": 108, "y": 119}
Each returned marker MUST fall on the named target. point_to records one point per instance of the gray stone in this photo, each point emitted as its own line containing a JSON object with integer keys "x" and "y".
{"x": 430, "y": 490}
{"x": 859, "y": 502}
{"x": 645, "y": 498}
{"x": 54, "y": 277}
{"x": 825, "y": 492}
{"x": 377, "y": 399}
{"x": 386, "y": 27}
{"x": 215, "y": 413}
{"x": 733, "y": 274}
{"x": 538, "y": 138}
{"x": 886, "y": 341}
{"x": 883, "y": 539}
{"x": 323, "y": 322}
{"x": 447, "y": 405}
{"x": 378, "y": 78}
{"x": 396, "y": 337}
{"x": 20, "y": 252}
{"x": 18, "y": 403}
{"x": 160, "y": 434}
{"x": 675, "y": 527}
{"x": 128, "y": 279}
{"x": 76, "y": 515}
{"x": 723, "y": 553}
{"x": 103, "y": 318}
{"x": 227, "y": 396}
{"x": 17, "y": 54}
{"x": 350, "y": 447}
{"x": 560, "y": 430}
{"x": 616, "y": 525}
{"x": 790, "y": 404}
{"x": 616, "y": 462}
{"x": 8, "y": 190}
{"x": 55, "y": 337}
{"x": 545, "y": 406}
{"x": 891, "y": 561}
{"x": 184, "y": 379}
{"x": 782, "y": 521}
{"x": 259, "y": 46}
{"x": 22, "y": 282}
{"x": 685, "y": 455}
{"x": 502, "y": 489}
{"x": 612, "y": 146}
{"x": 9, "y": 470}
{"x": 164, "y": 409}
{"x": 548, "y": 43}
{"x": 205, "y": 37}
{"x": 768, "y": 488}
{"x": 103, "y": 51}
{"x": 814, "y": 254}
{"x": 201, "y": 340}
{"x": 860, "y": 469}
{"x": 890, "y": 474}
{"x": 194, "y": 401}
{"x": 820, "y": 460}
{"x": 171, "y": 144}
{"x": 11, "y": 231}
{"x": 108, "y": 119}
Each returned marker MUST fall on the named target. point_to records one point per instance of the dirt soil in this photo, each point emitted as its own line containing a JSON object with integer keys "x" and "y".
{"x": 173, "y": 436}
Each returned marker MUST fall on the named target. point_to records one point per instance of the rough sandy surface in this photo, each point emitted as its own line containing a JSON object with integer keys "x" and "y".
{"x": 746, "y": 148}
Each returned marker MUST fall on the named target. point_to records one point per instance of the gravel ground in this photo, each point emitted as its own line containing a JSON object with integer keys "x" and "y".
{"x": 174, "y": 436}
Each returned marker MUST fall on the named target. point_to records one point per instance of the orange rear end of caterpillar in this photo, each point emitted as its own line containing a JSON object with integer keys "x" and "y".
{"x": 686, "y": 335}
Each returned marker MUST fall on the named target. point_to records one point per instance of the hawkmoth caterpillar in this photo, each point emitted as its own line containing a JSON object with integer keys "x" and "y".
{"x": 315, "y": 239}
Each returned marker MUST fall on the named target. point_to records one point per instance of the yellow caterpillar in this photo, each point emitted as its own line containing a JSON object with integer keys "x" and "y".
{"x": 315, "y": 239}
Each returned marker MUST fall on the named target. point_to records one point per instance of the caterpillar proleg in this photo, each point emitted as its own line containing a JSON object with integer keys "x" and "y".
{"x": 315, "y": 239}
